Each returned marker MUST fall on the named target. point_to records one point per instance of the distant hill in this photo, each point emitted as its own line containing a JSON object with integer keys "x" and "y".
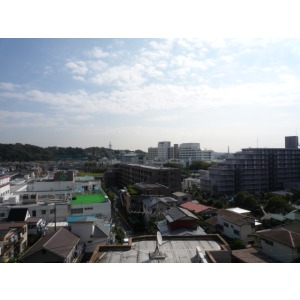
{"x": 26, "y": 152}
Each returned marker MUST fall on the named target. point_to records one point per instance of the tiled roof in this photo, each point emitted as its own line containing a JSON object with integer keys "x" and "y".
{"x": 235, "y": 218}
{"x": 177, "y": 213}
{"x": 60, "y": 242}
{"x": 196, "y": 207}
{"x": 251, "y": 255}
{"x": 212, "y": 221}
{"x": 283, "y": 236}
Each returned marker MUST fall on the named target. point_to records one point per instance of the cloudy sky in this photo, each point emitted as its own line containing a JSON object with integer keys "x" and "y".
{"x": 136, "y": 92}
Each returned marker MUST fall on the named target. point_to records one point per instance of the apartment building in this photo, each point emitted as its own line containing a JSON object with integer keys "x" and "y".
{"x": 186, "y": 152}
{"x": 131, "y": 174}
{"x": 255, "y": 170}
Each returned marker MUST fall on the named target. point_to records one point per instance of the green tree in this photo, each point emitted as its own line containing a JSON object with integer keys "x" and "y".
{"x": 245, "y": 200}
{"x": 277, "y": 205}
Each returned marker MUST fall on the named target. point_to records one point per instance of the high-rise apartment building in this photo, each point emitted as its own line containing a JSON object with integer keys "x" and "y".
{"x": 291, "y": 142}
{"x": 256, "y": 170}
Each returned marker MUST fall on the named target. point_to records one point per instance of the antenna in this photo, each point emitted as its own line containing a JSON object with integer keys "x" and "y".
{"x": 157, "y": 254}
{"x": 159, "y": 238}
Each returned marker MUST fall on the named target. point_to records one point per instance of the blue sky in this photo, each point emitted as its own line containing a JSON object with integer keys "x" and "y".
{"x": 136, "y": 92}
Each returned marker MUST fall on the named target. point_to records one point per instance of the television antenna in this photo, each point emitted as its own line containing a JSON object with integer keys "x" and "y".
{"x": 157, "y": 254}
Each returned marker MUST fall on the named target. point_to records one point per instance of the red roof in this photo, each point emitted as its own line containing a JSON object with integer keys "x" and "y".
{"x": 196, "y": 207}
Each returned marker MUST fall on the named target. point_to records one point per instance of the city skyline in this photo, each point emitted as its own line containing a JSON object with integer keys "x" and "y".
{"x": 221, "y": 93}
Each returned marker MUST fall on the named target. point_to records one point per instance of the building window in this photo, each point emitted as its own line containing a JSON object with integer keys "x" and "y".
{"x": 2, "y": 215}
{"x": 43, "y": 212}
{"x": 225, "y": 224}
{"x": 236, "y": 232}
{"x": 52, "y": 211}
{"x": 269, "y": 242}
{"x": 77, "y": 211}
{"x": 88, "y": 208}
{"x": 34, "y": 213}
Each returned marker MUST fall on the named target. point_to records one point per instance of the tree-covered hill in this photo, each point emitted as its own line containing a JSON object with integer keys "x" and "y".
{"x": 26, "y": 152}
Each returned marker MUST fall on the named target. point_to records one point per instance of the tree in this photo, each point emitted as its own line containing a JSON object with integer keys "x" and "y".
{"x": 278, "y": 205}
{"x": 245, "y": 200}
{"x": 119, "y": 235}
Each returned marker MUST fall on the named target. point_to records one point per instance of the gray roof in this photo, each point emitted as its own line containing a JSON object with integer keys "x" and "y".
{"x": 149, "y": 202}
{"x": 234, "y": 217}
{"x": 177, "y": 213}
{"x": 164, "y": 229}
{"x": 283, "y": 236}
{"x": 60, "y": 243}
{"x": 102, "y": 224}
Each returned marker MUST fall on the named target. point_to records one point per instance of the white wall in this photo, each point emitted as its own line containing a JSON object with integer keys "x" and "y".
{"x": 279, "y": 251}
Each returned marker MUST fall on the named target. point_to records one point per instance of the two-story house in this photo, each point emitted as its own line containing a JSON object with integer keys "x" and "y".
{"x": 235, "y": 225}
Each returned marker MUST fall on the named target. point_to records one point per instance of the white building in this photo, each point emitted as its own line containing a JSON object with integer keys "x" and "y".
{"x": 163, "y": 150}
{"x": 191, "y": 151}
{"x": 4, "y": 186}
{"x": 282, "y": 244}
{"x": 235, "y": 225}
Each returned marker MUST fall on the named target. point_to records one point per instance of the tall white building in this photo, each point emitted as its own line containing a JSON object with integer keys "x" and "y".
{"x": 163, "y": 150}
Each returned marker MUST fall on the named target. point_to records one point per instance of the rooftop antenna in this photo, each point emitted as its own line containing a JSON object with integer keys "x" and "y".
{"x": 157, "y": 254}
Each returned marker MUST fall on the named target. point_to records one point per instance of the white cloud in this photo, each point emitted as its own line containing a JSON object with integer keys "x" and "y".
{"x": 8, "y": 86}
{"x": 77, "y": 67}
{"x": 98, "y": 53}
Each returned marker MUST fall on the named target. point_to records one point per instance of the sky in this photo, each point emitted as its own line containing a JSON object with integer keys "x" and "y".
{"x": 134, "y": 92}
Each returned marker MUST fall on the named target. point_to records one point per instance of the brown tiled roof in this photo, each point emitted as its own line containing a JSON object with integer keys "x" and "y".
{"x": 61, "y": 243}
{"x": 283, "y": 236}
{"x": 251, "y": 255}
{"x": 196, "y": 207}
{"x": 234, "y": 217}
{"x": 212, "y": 221}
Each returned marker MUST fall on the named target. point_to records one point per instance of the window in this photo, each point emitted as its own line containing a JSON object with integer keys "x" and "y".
{"x": 52, "y": 211}
{"x": 2, "y": 215}
{"x": 43, "y": 212}
{"x": 236, "y": 232}
{"x": 269, "y": 242}
{"x": 225, "y": 224}
{"x": 77, "y": 211}
{"x": 34, "y": 213}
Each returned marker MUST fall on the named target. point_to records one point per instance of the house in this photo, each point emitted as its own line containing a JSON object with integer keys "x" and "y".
{"x": 199, "y": 209}
{"x": 234, "y": 225}
{"x": 282, "y": 243}
{"x": 14, "y": 244}
{"x": 92, "y": 231}
{"x": 61, "y": 246}
{"x": 178, "y": 217}
{"x": 8, "y": 237}
{"x": 181, "y": 197}
{"x": 155, "y": 207}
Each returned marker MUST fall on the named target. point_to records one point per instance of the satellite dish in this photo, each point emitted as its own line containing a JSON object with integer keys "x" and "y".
{"x": 159, "y": 238}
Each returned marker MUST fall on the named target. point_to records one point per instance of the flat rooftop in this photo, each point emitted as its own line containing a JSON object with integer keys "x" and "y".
{"x": 88, "y": 199}
{"x": 180, "y": 249}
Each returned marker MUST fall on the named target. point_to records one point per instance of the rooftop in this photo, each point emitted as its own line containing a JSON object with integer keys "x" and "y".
{"x": 251, "y": 255}
{"x": 196, "y": 207}
{"x": 88, "y": 199}
{"x": 177, "y": 249}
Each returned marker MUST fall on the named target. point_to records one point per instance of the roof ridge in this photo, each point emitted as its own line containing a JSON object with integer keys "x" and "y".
{"x": 52, "y": 237}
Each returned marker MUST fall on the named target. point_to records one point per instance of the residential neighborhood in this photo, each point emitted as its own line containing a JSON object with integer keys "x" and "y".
{"x": 62, "y": 212}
